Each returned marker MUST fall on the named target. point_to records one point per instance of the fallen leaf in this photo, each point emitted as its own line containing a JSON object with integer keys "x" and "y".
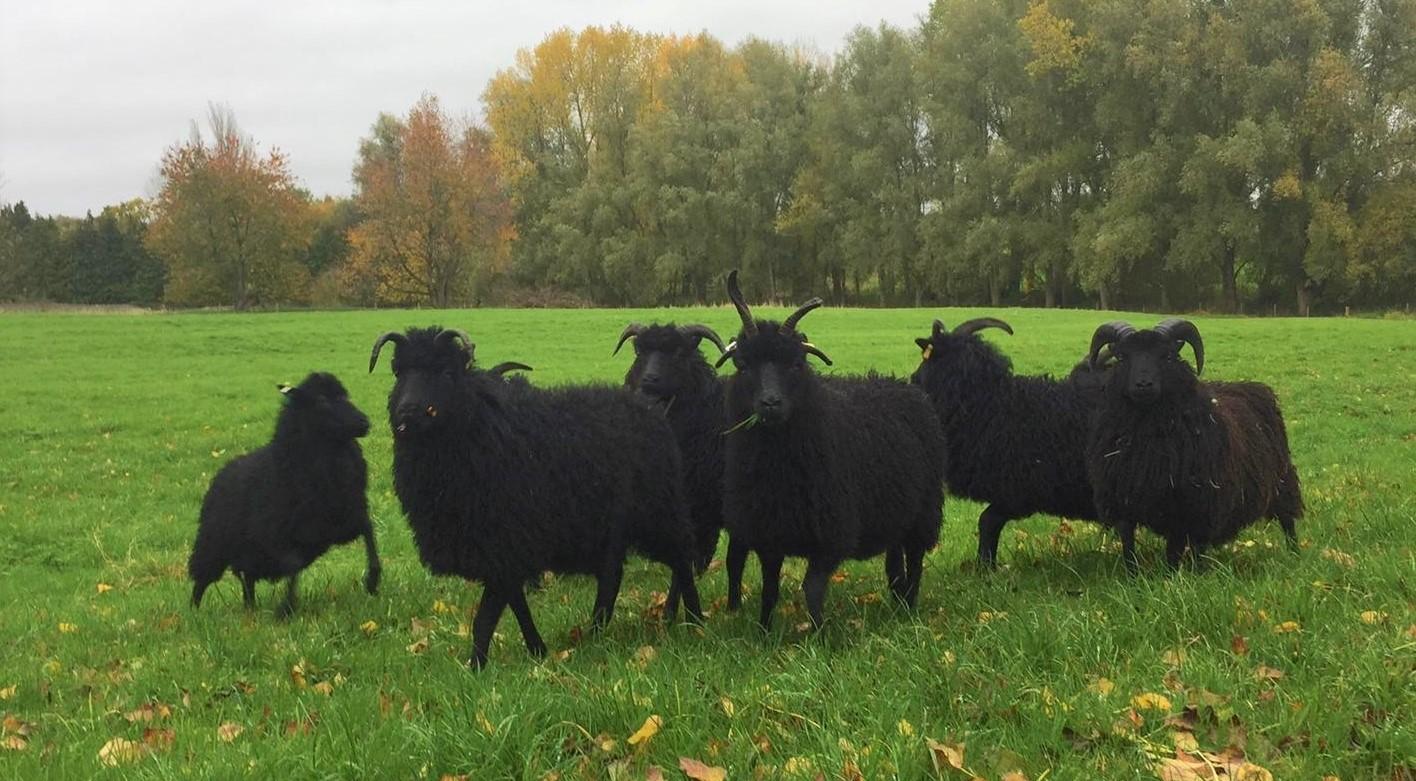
{"x": 1175, "y": 657}
{"x": 148, "y": 711}
{"x": 649, "y": 729}
{"x": 654, "y": 774}
{"x": 1101, "y": 686}
{"x": 906, "y": 729}
{"x": 120, "y": 751}
{"x": 67, "y": 629}
{"x": 1374, "y": 617}
{"x": 700, "y": 772}
{"x": 418, "y": 646}
{"x": 440, "y": 606}
{"x": 324, "y": 687}
{"x": 851, "y": 772}
{"x": 15, "y": 743}
{"x": 798, "y": 766}
{"x": 1151, "y": 701}
{"x": 1185, "y": 741}
{"x": 1239, "y": 645}
{"x": 1335, "y": 555}
{"x": 159, "y": 738}
{"x": 451, "y": 777}
{"x": 1015, "y": 775}
{"x": 104, "y": 588}
{"x": 369, "y": 628}
{"x": 723, "y": 702}
{"x": 297, "y": 674}
{"x": 229, "y": 731}
{"x": 302, "y": 726}
{"x": 1265, "y": 673}
{"x": 945, "y": 755}
{"x": 9, "y": 691}
{"x": 644, "y": 655}
{"x": 1286, "y": 627}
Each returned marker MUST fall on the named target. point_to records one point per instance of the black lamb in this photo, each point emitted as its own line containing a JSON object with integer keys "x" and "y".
{"x": 1193, "y": 461}
{"x": 669, "y": 370}
{"x": 1017, "y": 443}
{"x": 271, "y": 512}
{"x": 502, "y": 481}
{"x": 827, "y": 469}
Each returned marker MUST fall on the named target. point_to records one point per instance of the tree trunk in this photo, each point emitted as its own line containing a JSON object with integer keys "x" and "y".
{"x": 1305, "y": 298}
{"x": 1230, "y": 302}
{"x": 995, "y": 291}
{"x": 1104, "y": 293}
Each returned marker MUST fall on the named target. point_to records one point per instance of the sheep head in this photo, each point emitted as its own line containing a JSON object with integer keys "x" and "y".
{"x": 320, "y": 406}
{"x": 772, "y": 375}
{"x": 429, "y": 365}
{"x": 941, "y": 350}
{"x": 1147, "y": 362}
{"x": 666, "y": 358}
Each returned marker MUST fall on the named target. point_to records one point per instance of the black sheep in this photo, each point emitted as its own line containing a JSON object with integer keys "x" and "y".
{"x": 669, "y": 370}
{"x": 1017, "y": 443}
{"x": 502, "y": 481}
{"x": 827, "y": 469}
{"x": 271, "y": 512}
{"x": 1193, "y": 461}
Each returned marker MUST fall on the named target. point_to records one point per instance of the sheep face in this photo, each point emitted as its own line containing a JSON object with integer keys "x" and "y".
{"x": 322, "y": 407}
{"x": 1147, "y": 364}
{"x": 772, "y": 375}
{"x": 429, "y": 365}
{"x": 666, "y": 359}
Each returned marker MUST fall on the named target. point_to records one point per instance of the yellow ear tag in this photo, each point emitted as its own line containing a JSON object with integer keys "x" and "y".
{"x": 928, "y": 351}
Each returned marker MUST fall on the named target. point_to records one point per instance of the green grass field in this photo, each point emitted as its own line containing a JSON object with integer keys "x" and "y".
{"x": 1056, "y": 666}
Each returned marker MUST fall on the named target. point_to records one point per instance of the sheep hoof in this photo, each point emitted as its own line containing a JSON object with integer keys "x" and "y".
{"x": 371, "y": 581}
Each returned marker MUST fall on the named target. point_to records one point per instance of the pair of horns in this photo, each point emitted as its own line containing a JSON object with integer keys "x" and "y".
{"x": 442, "y": 338}
{"x": 749, "y": 323}
{"x": 971, "y": 326}
{"x": 701, "y": 331}
{"x": 1174, "y": 328}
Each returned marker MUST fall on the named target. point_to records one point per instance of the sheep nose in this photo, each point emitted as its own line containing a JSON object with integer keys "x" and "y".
{"x": 650, "y": 379}
{"x": 771, "y": 402}
{"x": 407, "y": 410}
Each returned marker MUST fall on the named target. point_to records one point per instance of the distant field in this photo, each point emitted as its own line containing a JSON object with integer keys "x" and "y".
{"x": 1057, "y": 666}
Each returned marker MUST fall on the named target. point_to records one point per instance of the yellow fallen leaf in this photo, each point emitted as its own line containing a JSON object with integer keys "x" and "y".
{"x": 1265, "y": 673}
{"x": 229, "y": 731}
{"x": 1185, "y": 741}
{"x": 324, "y": 687}
{"x": 120, "y": 751}
{"x": 418, "y": 646}
{"x": 1101, "y": 686}
{"x": 15, "y": 743}
{"x": 67, "y": 629}
{"x": 648, "y": 730}
{"x": 1287, "y": 627}
{"x": 1175, "y": 657}
{"x": 726, "y": 704}
{"x": 700, "y": 772}
{"x": 798, "y": 766}
{"x": 159, "y": 738}
{"x": 9, "y": 691}
{"x": 1151, "y": 701}
{"x": 104, "y": 588}
{"x": 297, "y": 674}
{"x": 1016, "y": 775}
{"x": 1374, "y": 617}
{"x": 440, "y": 606}
{"x": 644, "y": 655}
{"x": 906, "y": 729}
{"x": 369, "y": 628}
{"x": 945, "y": 755}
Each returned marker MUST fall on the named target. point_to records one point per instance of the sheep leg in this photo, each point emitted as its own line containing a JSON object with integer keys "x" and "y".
{"x": 1290, "y": 531}
{"x": 914, "y": 570}
{"x": 534, "y": 644}
{"x": 737, "y": 558}
{"x": 287, "y": 608}
{"x": 814, "y": 584}
{"x": 1174, "y": 550}
{"x": 198, "y": 589}
{"x": 990, "y": 525}
{"x": 607, "y": 591}
{"x": 373, "y": 570}
{"x": 1127, "y": 530}
{"x": 895, "y": 572}
{"x": 248, "y": 590}
{"x": 683, "y": 584}
{"x": 771, "y": 583}
{"x": 489, "y": 612}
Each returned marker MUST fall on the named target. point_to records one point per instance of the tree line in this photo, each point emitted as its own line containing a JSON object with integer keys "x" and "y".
{"x": 1236, "y": 156}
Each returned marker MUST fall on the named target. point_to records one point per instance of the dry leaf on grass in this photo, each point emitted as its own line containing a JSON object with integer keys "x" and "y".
{"x": 945, "y": 755}
{"x": 700, "y": 772}
{"x": 120, "y": 751}
{"x": 1151, "y": 701}
{"x": 9, "y": 691}
{"x": 648, "y": 730}
{"x": 159, "y": 738}
{"x": 229, "y": 731}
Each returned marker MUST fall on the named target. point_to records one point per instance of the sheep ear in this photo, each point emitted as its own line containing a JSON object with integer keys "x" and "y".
{"x": 288, "y": 391}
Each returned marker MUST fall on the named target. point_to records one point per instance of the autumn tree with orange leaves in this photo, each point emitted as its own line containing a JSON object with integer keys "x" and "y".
{"x": 437, "y": 223}
{"x": 229, "y": 223}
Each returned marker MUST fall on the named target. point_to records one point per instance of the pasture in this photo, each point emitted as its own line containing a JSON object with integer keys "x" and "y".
{"x": 1058, "y": 665}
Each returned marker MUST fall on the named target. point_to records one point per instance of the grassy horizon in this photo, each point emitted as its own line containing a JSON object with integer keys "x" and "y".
{"x": 1057, "y": 665}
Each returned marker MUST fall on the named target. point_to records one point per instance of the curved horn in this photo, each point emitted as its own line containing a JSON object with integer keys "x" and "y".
{"x": 392, "y": 336}
{"x": 790, "y": 323}
{"x": 812, "y": 349}
{"x": 728, "y": 353}
{"x": 1184, "y": 331}
{"x": 508, "y": 366}
{"x": 749, "y": 325}
{"x": 939, "y": 328}
{"x": 703, "y": 331}
{"x": 1107, "y": 333}
{"x": 630, "y": 331}
{"x": 453, "y": 333}
{"x": 978, "y": 324}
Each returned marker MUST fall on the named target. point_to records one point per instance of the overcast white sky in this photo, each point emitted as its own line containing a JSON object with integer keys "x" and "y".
{"x": 91, "y": 93}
